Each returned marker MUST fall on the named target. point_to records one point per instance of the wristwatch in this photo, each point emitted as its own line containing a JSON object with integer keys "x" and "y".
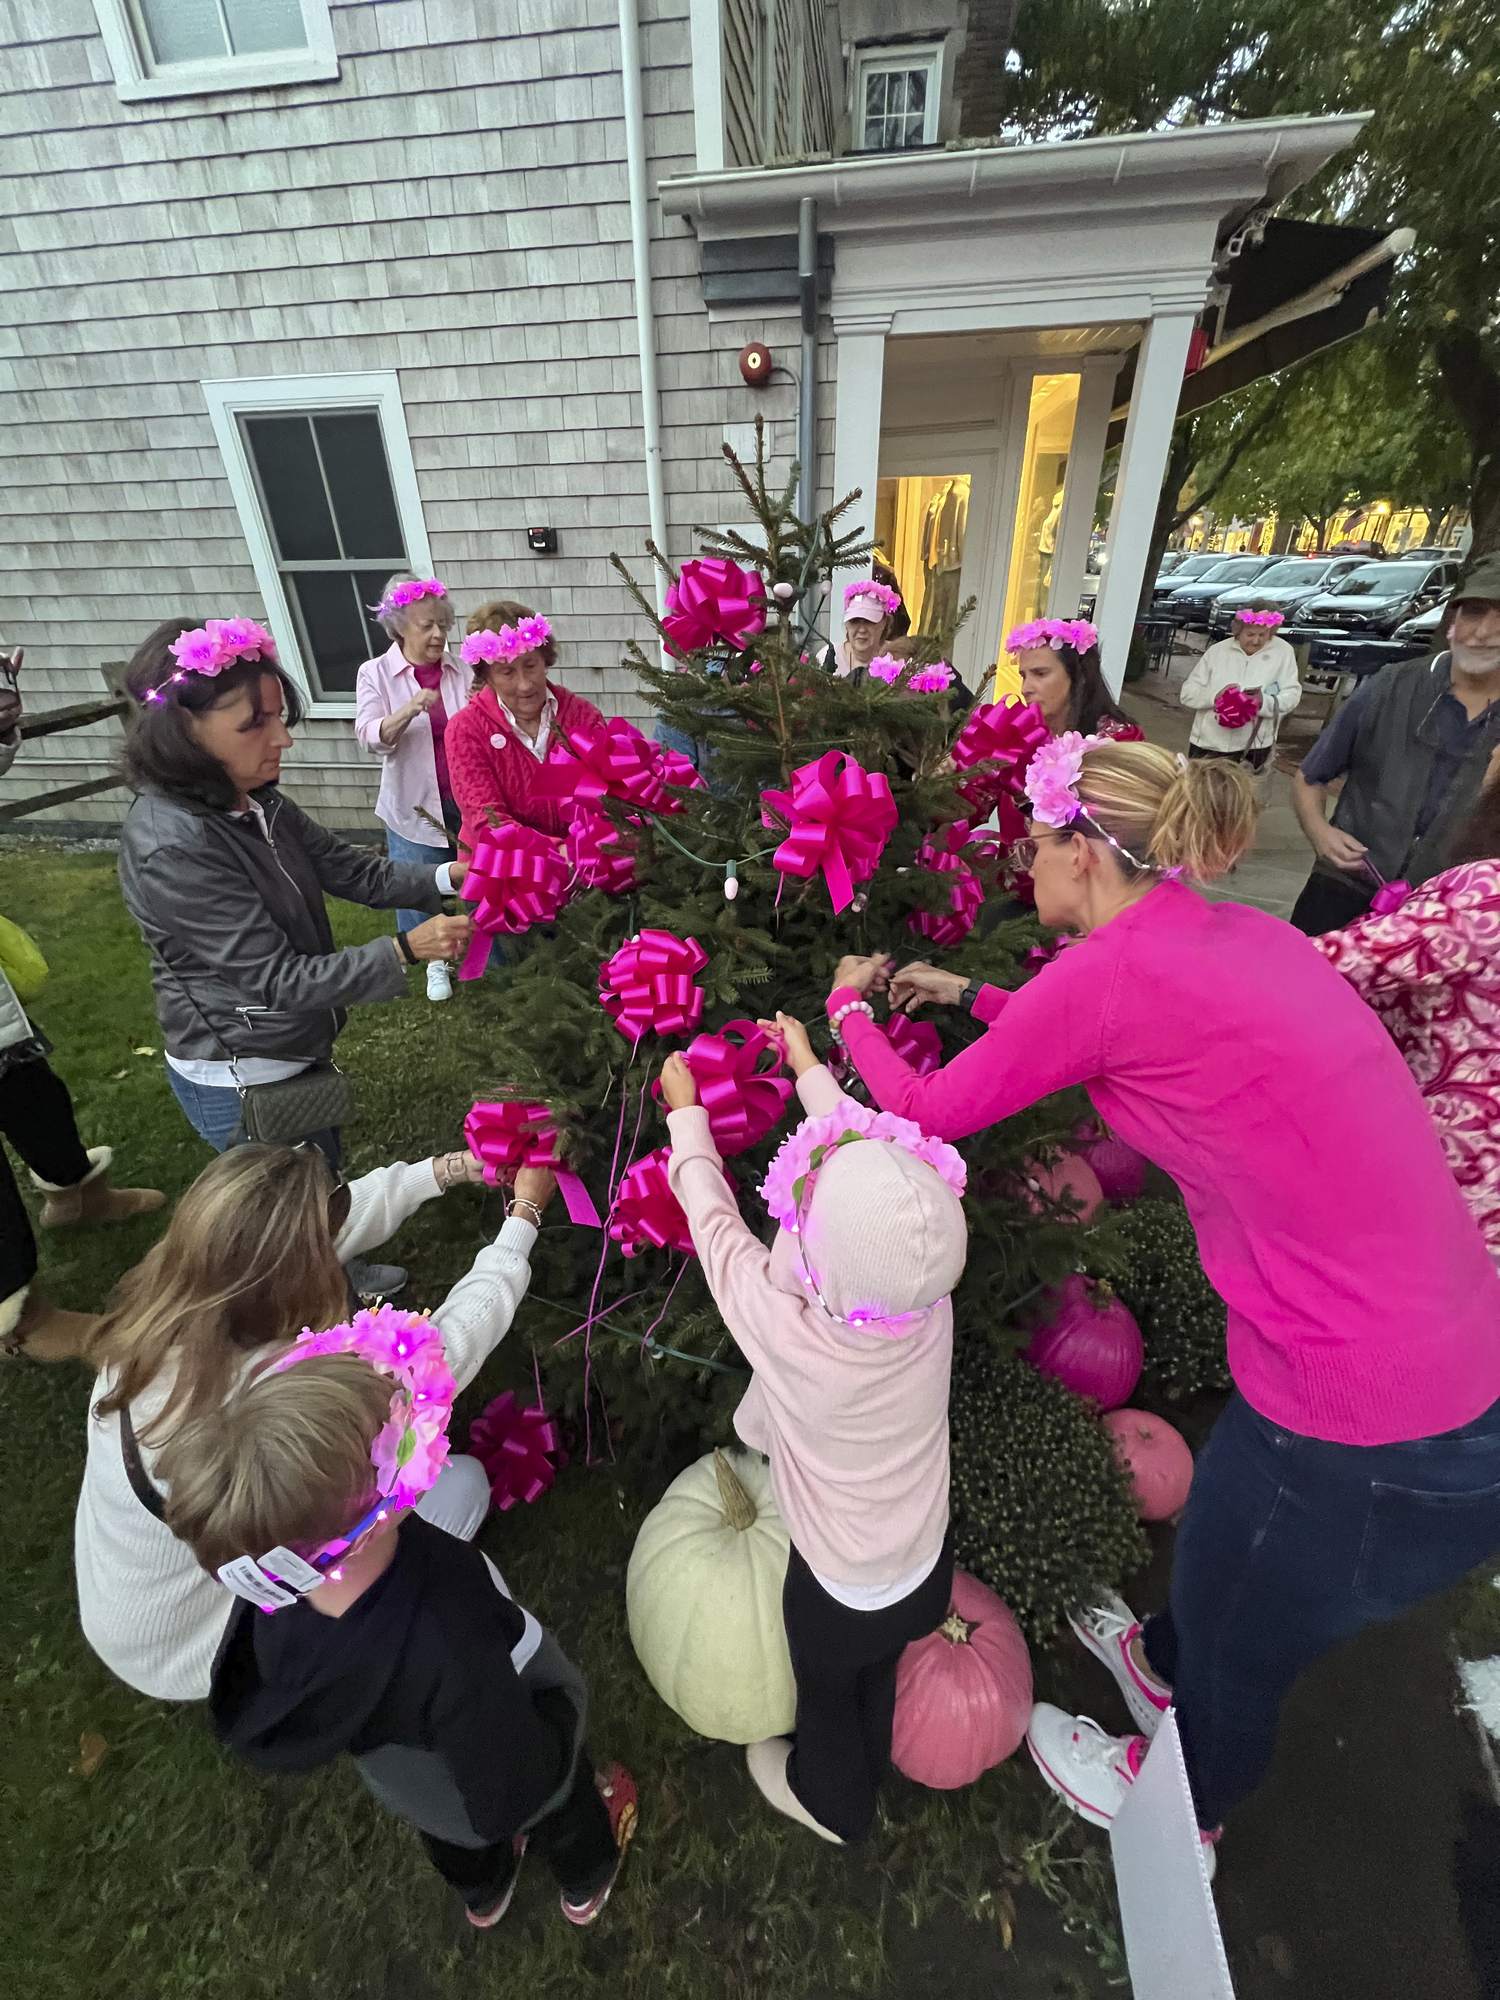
{"x": 969, "y": 995}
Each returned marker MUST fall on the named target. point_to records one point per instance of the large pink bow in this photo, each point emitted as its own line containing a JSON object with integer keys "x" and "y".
{"x": 742, "y": 1100}
{"x": 1003, "y": 740}
{"x": 515, "y": 879}
{"x": 917, "y": 1043}
{"x": 601, "y": 854}
{"x": 939, "y": 853}
{"x": 646, "y": 1211}
{"x": 508, "y": 1135}
{"x": 714, "y": 599}
{"x": 618, "y": 762}
{"x": 1389, "y": 896}
{"x": 1235, "y": 706}
{"x": 839, "y": 817}
{"x": 649, "y": 984}
{"x": 520, "y": 1450}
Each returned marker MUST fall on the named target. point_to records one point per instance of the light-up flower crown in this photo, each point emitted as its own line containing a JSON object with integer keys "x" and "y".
{"x": 1051, "y": 784}
{"x": 1054, "y": 632}
{"x": 509, "y": 643}
{"x": 1270, "y": 619}
{"x": 412, "y": 591}
{"x": 881, "y": 592}
{"x": 212, "y": 647}
{"x": 926, "y": 680}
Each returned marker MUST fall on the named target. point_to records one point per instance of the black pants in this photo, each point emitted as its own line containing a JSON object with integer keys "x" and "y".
{"x": 1253, "y": 760}
{"x": 845, "y": 1664}
{"x": 1327, "y": 905}
{"x": 575, "y": 1841}
{"x": 36, "y": 1116}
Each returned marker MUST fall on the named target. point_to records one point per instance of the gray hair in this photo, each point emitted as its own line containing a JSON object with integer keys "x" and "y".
{"x": 393, "y": 622}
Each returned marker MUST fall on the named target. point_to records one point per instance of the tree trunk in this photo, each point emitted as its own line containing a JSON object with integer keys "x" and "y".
{"x": 1474, "y": 386}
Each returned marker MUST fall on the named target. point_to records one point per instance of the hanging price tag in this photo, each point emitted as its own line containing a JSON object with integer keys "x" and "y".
{"x": 245, "y": 1577}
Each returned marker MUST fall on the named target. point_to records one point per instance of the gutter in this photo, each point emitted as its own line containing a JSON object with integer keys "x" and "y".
{"x": 640, "y": 245}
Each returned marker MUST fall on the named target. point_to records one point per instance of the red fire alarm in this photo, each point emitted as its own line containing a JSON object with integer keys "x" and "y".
{"x": 756, "y": 364}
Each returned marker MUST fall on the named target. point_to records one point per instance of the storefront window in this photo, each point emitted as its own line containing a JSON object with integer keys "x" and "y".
{"x": 1049, "y": 438}
{"x": 920, "y": 525}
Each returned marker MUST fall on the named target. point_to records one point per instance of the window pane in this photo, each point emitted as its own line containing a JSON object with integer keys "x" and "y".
{"x": 368, "y": 584}
{"x": 282, "y": 448}
{"x": 182, "y": 30}
{"x": 874, "y": 93}
{"x": 359, "y": 479}
{"x": 257, "y": 25}
{"x": 916, "y": 89}
{"x": 337, "y": 635}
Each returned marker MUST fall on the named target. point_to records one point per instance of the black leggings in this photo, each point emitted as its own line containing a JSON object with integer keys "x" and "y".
{"x": 36, "y": 1116}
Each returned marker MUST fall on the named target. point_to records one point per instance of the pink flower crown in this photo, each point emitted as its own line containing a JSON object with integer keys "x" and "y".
{"x": 1268, "y": 618}
{"x": 1051, "y": 784}
{"x": 216, "y": 644}
{"x": 411, "y": 592}
{"x": 509, "y": 643}
{"x": 412, "y": 1449}
{"x": 926, "y": 680}
{"x": 881, "y": 592}
{"x": 816, "y": 1138}
{"x": 1054, "y": 632}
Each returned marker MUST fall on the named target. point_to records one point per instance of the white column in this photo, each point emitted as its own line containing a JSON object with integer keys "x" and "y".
{"x": 1143, "y": 460}
{"x": 856, "y": 427}
{"x": 1085, "y": 458}
{"x": 706, "y": 41}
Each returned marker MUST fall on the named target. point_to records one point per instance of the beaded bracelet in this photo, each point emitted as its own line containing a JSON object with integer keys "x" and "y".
{"x": 849, "y": 1007}
{"x": 525, "y": 1201}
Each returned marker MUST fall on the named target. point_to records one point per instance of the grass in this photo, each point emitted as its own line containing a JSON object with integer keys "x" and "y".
{"x": 156, "y": 1869}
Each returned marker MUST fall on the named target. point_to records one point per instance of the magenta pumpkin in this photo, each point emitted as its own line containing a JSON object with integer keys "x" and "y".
{"x": 1089, "y": 1342}
{"x": 1156, "y": 1460}
{"x": 1120, "y": 1168}
{"x": 963, "y": 1694}
{"x": 1071, "y": 1176}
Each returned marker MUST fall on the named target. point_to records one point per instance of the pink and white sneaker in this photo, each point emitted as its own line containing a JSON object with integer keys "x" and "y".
{"x": 1090, "y": 1771}
{"x": 1107, "y": 1630}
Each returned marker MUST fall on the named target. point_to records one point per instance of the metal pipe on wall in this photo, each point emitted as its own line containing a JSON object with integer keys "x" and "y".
{"x": 807, "y": 388}
{"x": 640, "y": 244}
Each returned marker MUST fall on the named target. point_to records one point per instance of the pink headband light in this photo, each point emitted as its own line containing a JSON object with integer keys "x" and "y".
{"x": 212, "y": 647}
{"x": 1051, "y": 785}
{"x": 1271, "y": 619}
{"x": 509, "y": 643}
{"x": 1054, "y": 632}
{"x": 411, "y": 592}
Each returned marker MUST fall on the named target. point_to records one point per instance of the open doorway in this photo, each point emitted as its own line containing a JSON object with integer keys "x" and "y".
{"x": 921, "y": 524}
{"x": 1051, "y": 410}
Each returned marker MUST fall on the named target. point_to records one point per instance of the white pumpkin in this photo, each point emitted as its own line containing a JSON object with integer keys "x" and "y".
{"x": 703, "y": 1596}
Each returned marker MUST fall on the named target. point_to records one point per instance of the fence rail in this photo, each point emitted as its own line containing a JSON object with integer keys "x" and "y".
{"x": 52, "y": 722}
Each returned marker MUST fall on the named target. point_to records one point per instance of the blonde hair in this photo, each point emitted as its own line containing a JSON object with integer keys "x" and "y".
{"x": 283, "y": 1463}
{"x": 248, "y": 1261}
{"x": 1194, "y": 817}
{"x": 394, "y": 621}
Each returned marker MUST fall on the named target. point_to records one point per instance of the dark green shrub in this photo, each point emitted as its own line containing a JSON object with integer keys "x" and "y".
{"x": 1181, "y": 1316}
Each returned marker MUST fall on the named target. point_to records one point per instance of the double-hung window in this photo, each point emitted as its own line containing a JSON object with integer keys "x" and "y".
{"x": 322, "y": 475}
{"x": 184, "y": 48}
{"x": 896, "y": 94}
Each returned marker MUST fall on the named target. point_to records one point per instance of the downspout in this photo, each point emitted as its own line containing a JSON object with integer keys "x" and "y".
{"x": 640, "y": 245}
{"x": 807, "y": 388}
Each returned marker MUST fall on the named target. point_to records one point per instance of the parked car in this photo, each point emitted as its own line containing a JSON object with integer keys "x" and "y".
{"x": 1368, "y": 549}
{"x": 1187, "y": 604}
{"x": 1285, "y": 587}
{"x": 1172, "y": 559}
{"x": 1188, "y": 571}
{"x": 1372, "y": 600}
{"x": 1425, "y": 630}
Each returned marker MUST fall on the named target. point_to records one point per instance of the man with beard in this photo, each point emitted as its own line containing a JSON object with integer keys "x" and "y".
{"x": 1411, "y": 746}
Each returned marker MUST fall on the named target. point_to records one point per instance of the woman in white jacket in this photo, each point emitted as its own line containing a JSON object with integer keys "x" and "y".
{"x": 1241, "y": 688}
{"x": 256, "y": 1252}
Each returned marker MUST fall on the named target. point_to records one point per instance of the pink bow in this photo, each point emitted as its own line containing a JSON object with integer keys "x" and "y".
{"x": 1038, "y": 955}
{"x": 939, "y": 853}
{"x": 620, "y": 763}
{"x": 1235, "y": 706}
{"x": 508, "y": 1135}
{"x": 839, "y": 816}
{"x": 515, "y": 879}
{"x": 646, "y": 1211}
{"x": 916, "y": 1042}
{"x": 1003, "y": 740}
{"x": 714, "y": 599}
{"x": 1389, "y": 896}
{"x": 743, "y": 1101}
{"x": 601, "y": 854}
{"x": 513, "y": 1446}
{"x": 649, "y": 984}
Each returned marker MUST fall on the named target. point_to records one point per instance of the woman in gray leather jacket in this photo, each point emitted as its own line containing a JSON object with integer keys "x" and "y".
{"x": 226, "y": 879}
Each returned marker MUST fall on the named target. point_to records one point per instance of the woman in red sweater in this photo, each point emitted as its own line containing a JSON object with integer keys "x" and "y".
{"x": 498, "y": 744}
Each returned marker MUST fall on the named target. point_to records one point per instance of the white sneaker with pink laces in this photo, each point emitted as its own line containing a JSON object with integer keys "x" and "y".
{"x": 1107, "y": 1630}
{"x": 1090, "y": 1771}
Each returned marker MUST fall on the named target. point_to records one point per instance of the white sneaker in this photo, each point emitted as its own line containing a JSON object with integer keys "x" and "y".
{"x": 1107, "y": 1630}
{"x": 1090, "y": 1771}
{"x": 439, "y": 980}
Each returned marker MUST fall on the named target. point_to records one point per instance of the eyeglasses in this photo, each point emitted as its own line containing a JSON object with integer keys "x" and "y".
{"x": 1024, "y": 852}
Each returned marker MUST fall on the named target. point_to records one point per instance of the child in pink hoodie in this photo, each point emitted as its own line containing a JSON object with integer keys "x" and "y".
{"x": 848, "y": 1322}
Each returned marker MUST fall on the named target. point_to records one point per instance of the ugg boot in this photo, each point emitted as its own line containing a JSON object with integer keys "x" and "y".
{"x": 92, "y": 1200}
{"x": 31, "y": 1325}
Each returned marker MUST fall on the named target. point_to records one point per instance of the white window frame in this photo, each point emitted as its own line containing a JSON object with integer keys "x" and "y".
{"x": 379, "y": 390}
{"x": 138, "y": 78}
{"x": 897, "y": 56}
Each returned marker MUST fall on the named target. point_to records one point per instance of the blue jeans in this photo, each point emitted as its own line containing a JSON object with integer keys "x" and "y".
{"x": 400, "y": 849}
{"x": 214, "y": 1115}
{"x": 1290, "y": 1545}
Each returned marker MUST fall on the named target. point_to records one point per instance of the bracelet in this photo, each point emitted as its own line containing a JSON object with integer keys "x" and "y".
{"x": 403, "y": 946}
{"x": 525, "y": 1201}
{"x": 849, "y": 1007}
{"x": 452, "y": 1168}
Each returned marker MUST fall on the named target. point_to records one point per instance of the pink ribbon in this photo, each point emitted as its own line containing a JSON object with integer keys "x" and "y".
{"x": 515, "y": 879}
{"x": 1389, "y": 896}
{"x": 509, "y": 1135}
{"x": 619, "y": 763}
{"x": 839, "y": 817}
{"x": 713, "y": 598}
{"x": 742, "y": 1100}
{"x": 939, "y": 853}
{"x": 520, "y": 1450}
{"x": 1038, "y": 955}
{"x": 1003, "y": 740}
{"x": 601, "y": 854}
{"x": 646, "y": 1212}
{"x": 917, "y": 1043}
{"x": 1235, "y": 706}
{"x": 648, "y": 984}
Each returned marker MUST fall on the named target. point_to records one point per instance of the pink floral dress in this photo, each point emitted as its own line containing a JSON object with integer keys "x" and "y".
{"x": 1431, "y": 970}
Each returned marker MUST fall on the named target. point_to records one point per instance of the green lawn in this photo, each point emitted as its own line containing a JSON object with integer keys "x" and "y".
{"x": 165, "y": 1870}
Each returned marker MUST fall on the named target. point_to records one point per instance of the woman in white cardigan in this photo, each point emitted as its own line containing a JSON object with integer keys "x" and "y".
{"x": 1241, "y": 688}
{"x": 256, "y": 1252}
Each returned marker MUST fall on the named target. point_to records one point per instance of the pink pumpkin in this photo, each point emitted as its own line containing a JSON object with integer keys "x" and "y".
{"x": 1120, "y": 1168}
{"x": 1156, "y": 1460}
{"x": 1089, "y": 1342}
{"x": 963, "y": 1694}
{"x": 1071, "y": 1176}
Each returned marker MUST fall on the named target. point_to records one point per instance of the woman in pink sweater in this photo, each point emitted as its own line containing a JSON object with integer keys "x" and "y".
{"x": 848, "y": 1322}
{"x": 1357, "y": 1468}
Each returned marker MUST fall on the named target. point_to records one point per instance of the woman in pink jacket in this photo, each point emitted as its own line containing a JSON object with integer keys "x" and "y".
{"x": 1356, "y": 1470}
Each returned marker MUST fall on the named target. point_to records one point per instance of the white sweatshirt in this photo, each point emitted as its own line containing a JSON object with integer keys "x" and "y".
{"x": 1273, "y": 670}
{"x": 150, "y": 1613}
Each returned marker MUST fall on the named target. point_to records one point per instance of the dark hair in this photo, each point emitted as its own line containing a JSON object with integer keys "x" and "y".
{"x": 160, "y": 749}
{"x": 494, "y": 617}
{"x": 1090, "y": 701}
{"x": 1477, "y": 835}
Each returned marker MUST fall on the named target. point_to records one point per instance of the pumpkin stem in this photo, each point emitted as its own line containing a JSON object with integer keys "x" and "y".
{"x": 956, "y": 1630}
{"x": 1101, "y": 1294}
{"x": 739, "y": 1508}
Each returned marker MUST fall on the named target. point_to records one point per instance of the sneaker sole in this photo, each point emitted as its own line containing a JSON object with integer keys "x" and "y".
{"x": 624, "y": 1835}
{"x": 1145, "y": 1713}
{"x": 1069, "y": 1798}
